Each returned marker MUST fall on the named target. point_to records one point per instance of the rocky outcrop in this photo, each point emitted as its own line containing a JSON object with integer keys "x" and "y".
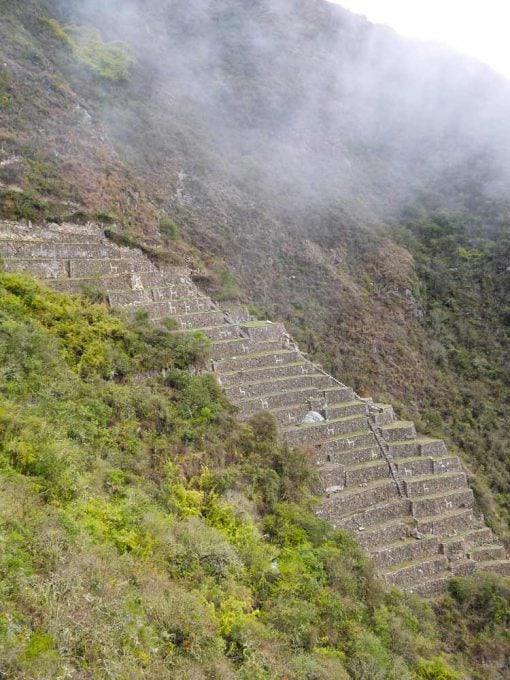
{"x": 402, "y": 494}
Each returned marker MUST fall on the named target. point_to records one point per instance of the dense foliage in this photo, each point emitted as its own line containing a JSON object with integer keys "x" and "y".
{"x": 463, "y": 282}
{"x": 145, "y": 533}
{"x": 109, "y": 60}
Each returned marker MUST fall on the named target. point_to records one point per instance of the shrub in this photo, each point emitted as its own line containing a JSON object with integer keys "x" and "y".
{"x": 110, "y": 60}
{"x": 435, "y": 669}
{"x": 168, "y": 228}
{"x": 120, "y": 239}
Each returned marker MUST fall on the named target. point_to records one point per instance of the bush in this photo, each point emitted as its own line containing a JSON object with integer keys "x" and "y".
{"x": 111, "y": 61}
{"x": 168, "y": 228}
{"x": 435, "y": 669}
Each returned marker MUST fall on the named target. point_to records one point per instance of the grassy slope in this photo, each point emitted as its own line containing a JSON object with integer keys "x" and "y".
{"x": 146, "y": 533}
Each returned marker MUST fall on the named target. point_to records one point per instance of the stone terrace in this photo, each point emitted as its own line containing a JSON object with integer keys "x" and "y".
{"x": 402, "y": 494}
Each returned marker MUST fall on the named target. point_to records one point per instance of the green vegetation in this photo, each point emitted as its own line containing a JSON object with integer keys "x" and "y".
{"x": 111, "y": 61}
{"x": 462, "y": 284}
{"x": 43, "y": 177}
{"x": 168, "y": 228}
{"x": 146, "y": 533}
{"x": 22, "y": 205}
{"x": 475, "y": 619}
{"x": 5, "y": 98}
{"x": 228, "y": 288}
{"x": 121, "y": 239}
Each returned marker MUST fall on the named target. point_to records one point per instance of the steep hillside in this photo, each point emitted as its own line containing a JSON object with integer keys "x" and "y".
{"x": 351, "y": 180}
{"x": 146, "y": 533}
{"x": 325, "y": 172}
{"x": 401, "y": 494}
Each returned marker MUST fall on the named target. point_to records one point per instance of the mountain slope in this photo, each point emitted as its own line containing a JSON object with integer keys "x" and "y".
{"x": 304, "y": 149}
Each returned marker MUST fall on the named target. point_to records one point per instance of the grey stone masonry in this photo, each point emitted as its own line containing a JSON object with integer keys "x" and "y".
{"x": 405, "y": 550}
{"x": 385, "y": 533}
{"x": 401, "y": 494}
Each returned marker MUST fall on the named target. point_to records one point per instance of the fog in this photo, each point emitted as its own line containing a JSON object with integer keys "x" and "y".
{"x": 299, "y": 104}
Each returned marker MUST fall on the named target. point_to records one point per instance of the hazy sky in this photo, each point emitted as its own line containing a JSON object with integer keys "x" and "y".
{"x": 479, "y": 28}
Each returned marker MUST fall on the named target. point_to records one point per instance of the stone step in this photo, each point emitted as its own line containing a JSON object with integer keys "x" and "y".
{"x": 267, "y": 387}
{"x": 461, "y": 543}
{"x": 291, "y": 415}
{"x": 454, "y": 548}
{"x": 361, "y": 445}
{"x": 433, "y": 484}
{"x": 197, "y": 320}
{"x": 331, "y": 478}
{"x": 294, "y": 414}
{"x": 90, "y": 229}
{"x": 463, "y": 567}
{"x": 382, "y": 414}
{"x": 352, "y": 477}
{"x": 41, "y": 269}
{"x": 415, "y": 571}
{"x": 220, "y": 332}
{"x": 336, "y": 393}
{"x": 385, "y": 533}
{"x": 501, "y": 567}
{"x": 436, "y": 504}
{"x": 339, "y": 410}
{"x": 256, "y": 375}
{"x": 352, "y": 457}
{"x": 424, "y": 465}
{"x": 483, "y": 553}
{"x": 261, "y": 368}
{"x": 132, "y": 284}
{"x": 447, "y": 523}
{"x": 61, "y": 251}
{"x": 277, "y": 401}
{"x": 315, "y": 432}
{"x": 97, "y": 267}
{"x": 224, "y": 349}
{"x": 432, "y": 447}
{"x": 430, "y": 587}
{"x": 387, "y": 511}
{"x": 163, "y": 296}
{"x": 258, "y": 360}
{"x": 264, "y": 330}
{"x": 398, "y": 431}
{"x": 408, "y": 550}
{"x": 421, "y": 446}
{"x": 337, "y": 506}
{"x": 162, "y": 310}
{"x": 42, "y": 235}
{"x": 366, "y": 472}
{"x": 167, "y": 283}
{"x": 477, "y": 537}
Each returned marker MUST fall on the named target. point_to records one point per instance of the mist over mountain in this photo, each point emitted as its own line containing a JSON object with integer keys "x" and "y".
{"x": 301, "y": 103}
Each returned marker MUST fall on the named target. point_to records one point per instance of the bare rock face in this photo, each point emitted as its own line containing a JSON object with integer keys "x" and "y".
{"x": 403, "y": 496}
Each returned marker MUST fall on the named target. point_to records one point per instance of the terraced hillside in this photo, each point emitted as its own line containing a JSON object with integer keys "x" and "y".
{"x": 404, "y": 497}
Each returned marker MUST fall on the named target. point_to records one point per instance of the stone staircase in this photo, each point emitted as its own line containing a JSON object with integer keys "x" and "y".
{"x": 405, "y": 498}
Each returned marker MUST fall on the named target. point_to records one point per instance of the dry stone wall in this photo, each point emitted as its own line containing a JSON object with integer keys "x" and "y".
{"x": 403, "y": 496}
